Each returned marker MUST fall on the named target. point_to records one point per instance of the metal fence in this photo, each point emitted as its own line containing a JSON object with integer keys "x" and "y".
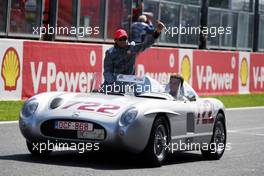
{"x": 19, "y": 19}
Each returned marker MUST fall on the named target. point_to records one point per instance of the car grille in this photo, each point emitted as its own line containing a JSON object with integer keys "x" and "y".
{"x": 48, "y": 129}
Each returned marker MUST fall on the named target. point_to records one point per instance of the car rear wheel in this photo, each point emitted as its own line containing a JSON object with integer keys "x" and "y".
{"x": 156, "y": 150}
{"x": 38, "y": 149}
{"x": 218, "y": 142}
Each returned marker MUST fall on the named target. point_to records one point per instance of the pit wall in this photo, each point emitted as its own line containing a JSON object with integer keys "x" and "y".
{"x": 31, "y": 67}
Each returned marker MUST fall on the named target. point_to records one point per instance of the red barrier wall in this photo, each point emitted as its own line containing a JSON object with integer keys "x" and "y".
{"x": 257, "y": 72}
{"x": 54, "y": 66}
{"x": 59, "y": 67}
{"x": 158, "y": 63}
{"x": 215, "y": 72}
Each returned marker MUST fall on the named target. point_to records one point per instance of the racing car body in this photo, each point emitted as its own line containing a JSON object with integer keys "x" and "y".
{"x": 152, "y": 122}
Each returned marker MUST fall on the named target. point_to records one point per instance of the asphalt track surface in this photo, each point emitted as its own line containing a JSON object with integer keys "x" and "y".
{"x": 246, "y": 157}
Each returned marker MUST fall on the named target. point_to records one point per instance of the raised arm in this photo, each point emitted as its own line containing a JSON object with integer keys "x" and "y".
{"x": 149, "y": 39}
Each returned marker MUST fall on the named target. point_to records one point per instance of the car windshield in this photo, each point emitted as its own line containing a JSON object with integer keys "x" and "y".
{"x": 145, "y": 85}
{"x": 136, "y": 86}
{"x": 133, "y": 85}
{"x": 127, "y": 84}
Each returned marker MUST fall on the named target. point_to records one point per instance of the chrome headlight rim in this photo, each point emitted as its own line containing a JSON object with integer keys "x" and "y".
{"x": 29, "y": 108}
{"x": 128, "y": 117}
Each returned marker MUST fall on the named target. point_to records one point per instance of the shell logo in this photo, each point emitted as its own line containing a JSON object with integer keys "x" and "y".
{"x": 244, "y": 71}
{"x": 10, "y": 69}
{"x": 186, "y": 68}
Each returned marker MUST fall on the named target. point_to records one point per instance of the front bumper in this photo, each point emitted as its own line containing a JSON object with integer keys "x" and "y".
{"x": 132, "y": 138}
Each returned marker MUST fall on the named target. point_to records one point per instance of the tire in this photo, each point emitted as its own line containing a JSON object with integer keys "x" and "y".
{"x": 218, "y": 140}
{"x": 156, "y": 151}
{"x": 35, "y": 149}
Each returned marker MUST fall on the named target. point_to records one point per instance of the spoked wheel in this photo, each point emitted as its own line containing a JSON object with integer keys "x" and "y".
{"x": 219, "y": 137}
{"x": 156, "y": 150}
{"x": 218, "y": 141}
{"x": 160, "y": 141}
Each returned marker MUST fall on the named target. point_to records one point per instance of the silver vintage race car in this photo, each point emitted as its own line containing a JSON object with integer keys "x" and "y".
{"x": 148, "y": 120}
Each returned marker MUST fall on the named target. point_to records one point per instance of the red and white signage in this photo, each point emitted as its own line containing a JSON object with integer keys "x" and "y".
{"x": 243, "y": 74}
{"x": 158, "y": 63}
{"x": 30, "y": 67}
{"x": 11, "y": 64}
{"x": 186, "y": 64}
{"x": 257, "y": 72}
{"x": 215, "y": 72}
{"x": 60, "y": 67}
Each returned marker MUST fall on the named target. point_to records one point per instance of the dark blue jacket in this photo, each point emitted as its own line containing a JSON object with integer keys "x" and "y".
{"x": 122, "y": 60}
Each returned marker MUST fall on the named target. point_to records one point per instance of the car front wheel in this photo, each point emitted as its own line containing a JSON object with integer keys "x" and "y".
{"x": 156, "y": 150}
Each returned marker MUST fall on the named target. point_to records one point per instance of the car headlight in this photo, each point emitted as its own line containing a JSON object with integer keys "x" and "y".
{"x": 56, "y": 102}
{"x": 29, "y": 108}
{"x": 129, "y": 116}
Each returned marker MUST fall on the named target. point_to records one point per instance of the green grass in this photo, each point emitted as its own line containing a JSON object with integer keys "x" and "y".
{"x": 9, "y": 110}
{"x": 247, "y": 100}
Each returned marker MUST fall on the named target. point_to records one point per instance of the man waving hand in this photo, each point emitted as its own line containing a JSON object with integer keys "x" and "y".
{"x": 121, "y": 58}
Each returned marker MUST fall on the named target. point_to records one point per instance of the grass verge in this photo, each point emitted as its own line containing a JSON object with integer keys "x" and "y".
{"x": 9, "y": 110}
{"x": 247, "y": 100}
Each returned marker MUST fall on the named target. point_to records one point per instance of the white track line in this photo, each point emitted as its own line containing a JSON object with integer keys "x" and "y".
{"x": 245, "y": 108}
{"x": 8, "y": 122}
{"x": 245, "y": 129}
{"x": 248, "y": 133}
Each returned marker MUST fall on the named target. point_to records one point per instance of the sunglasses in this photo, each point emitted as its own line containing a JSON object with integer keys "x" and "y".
{"x": 122, "y": 39}
{"x": 175, "y": 81}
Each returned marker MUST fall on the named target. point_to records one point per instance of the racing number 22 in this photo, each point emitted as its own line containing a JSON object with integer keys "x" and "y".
{"x": 93, "y": 106}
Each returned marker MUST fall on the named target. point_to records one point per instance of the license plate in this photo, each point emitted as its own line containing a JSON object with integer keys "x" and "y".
{"x": 79, "y": 126}
{"x": 95, "y": 134}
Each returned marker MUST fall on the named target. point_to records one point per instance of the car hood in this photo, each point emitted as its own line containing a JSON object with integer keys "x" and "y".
{"x": 93, "y": 105}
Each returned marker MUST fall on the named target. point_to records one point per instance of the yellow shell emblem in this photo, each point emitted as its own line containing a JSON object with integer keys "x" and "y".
{"x": 244, "y": 72}
{"x": 186, "y": 68}
{"x": 10, "y": 69}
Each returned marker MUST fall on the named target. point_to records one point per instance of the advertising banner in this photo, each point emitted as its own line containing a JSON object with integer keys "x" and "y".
{"x": 186, "y": 64}
{"x": 30, "y": 67}
{"x": 215, "y": 72}
{"x": 11, "y": 60}
{"x": 243, "y": 74}
{"x": 257, "y": 72}
{"x": 60, "y": 67}
{"x": 158, "y": 63}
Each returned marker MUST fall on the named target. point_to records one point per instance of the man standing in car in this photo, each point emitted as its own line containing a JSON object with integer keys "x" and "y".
{"x": 121, "y": 58}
